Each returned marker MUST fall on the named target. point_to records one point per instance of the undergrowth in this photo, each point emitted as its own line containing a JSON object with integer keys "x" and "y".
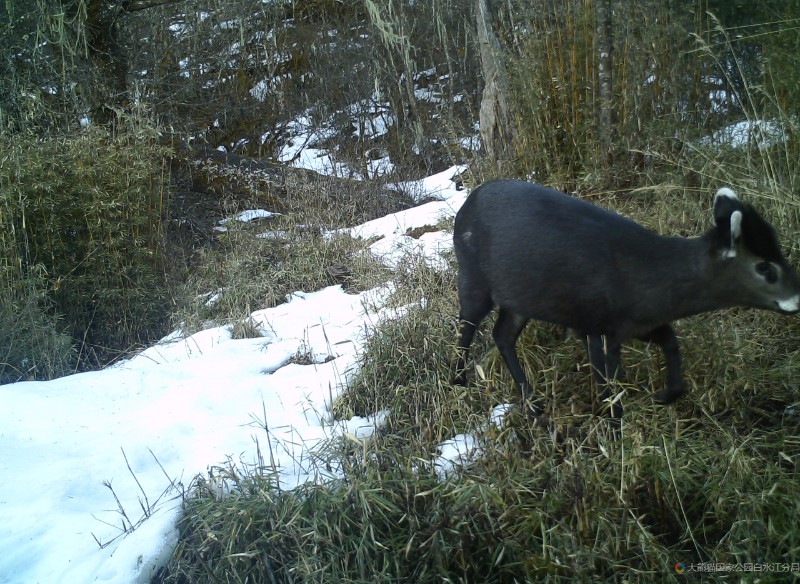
{"x": 33, "y": 344}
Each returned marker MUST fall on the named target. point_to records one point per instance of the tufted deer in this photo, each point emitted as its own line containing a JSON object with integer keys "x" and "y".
{"x": 540, "y": 254}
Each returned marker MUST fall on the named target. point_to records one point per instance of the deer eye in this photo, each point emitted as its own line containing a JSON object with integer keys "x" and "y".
{"x": 767, "y": 270}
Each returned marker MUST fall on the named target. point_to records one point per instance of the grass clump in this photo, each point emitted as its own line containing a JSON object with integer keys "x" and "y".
{"x": 575, "y": 512}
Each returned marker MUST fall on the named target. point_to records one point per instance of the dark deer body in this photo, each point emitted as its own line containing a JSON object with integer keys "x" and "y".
{"x": 539, "y": 254}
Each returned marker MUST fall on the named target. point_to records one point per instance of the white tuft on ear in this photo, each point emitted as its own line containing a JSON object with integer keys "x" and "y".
{"x": 725, "y": 192}
{"x": 736, "y": 233}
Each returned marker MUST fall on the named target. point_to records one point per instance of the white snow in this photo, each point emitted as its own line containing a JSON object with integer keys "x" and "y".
{"x": 380, "y": 167}
{"x": 260, "y": 91}
{"x": 463, "y": 449}
{"x": 145, "y": 427}
{"x": 303, "y": 150}
{"x": 761, "y": 133}
{"x": 248, "y": 216}
{"x": 394, "y": 241}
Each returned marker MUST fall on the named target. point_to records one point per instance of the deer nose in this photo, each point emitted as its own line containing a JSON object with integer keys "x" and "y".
{"x": 789, "y": 305}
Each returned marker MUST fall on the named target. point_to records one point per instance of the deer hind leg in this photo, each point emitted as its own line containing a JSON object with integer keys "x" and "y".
{"x": 506, "y": 331}
{"x": 474, "y": 308}
{"x": 604, "y": 357}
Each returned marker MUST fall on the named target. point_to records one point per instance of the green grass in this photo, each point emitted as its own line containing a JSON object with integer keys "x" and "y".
{"x": 33, "y": 344}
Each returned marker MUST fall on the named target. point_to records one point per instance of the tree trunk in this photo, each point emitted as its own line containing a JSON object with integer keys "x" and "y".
{"x": 495, "y": 114}
{"x": 389, "y": 20}
{"x": 107, "y": 84}
{"x": 109, "y": 62}
{"x": 605, "y": 47}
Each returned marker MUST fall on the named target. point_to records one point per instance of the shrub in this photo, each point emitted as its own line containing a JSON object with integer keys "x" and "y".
{"x": 86, "y": 212}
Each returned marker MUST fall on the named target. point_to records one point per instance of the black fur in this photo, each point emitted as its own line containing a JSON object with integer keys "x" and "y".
{"x": 760, "y": 237}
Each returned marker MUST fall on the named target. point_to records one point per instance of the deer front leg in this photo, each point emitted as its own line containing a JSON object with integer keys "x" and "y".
{"x": 665, "y": 337}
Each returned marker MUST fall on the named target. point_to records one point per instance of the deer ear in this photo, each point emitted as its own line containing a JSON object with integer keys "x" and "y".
{"x": 728, "y": 219}
{"x": 735, "y": 233}
{"x": 725, "y": 203}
